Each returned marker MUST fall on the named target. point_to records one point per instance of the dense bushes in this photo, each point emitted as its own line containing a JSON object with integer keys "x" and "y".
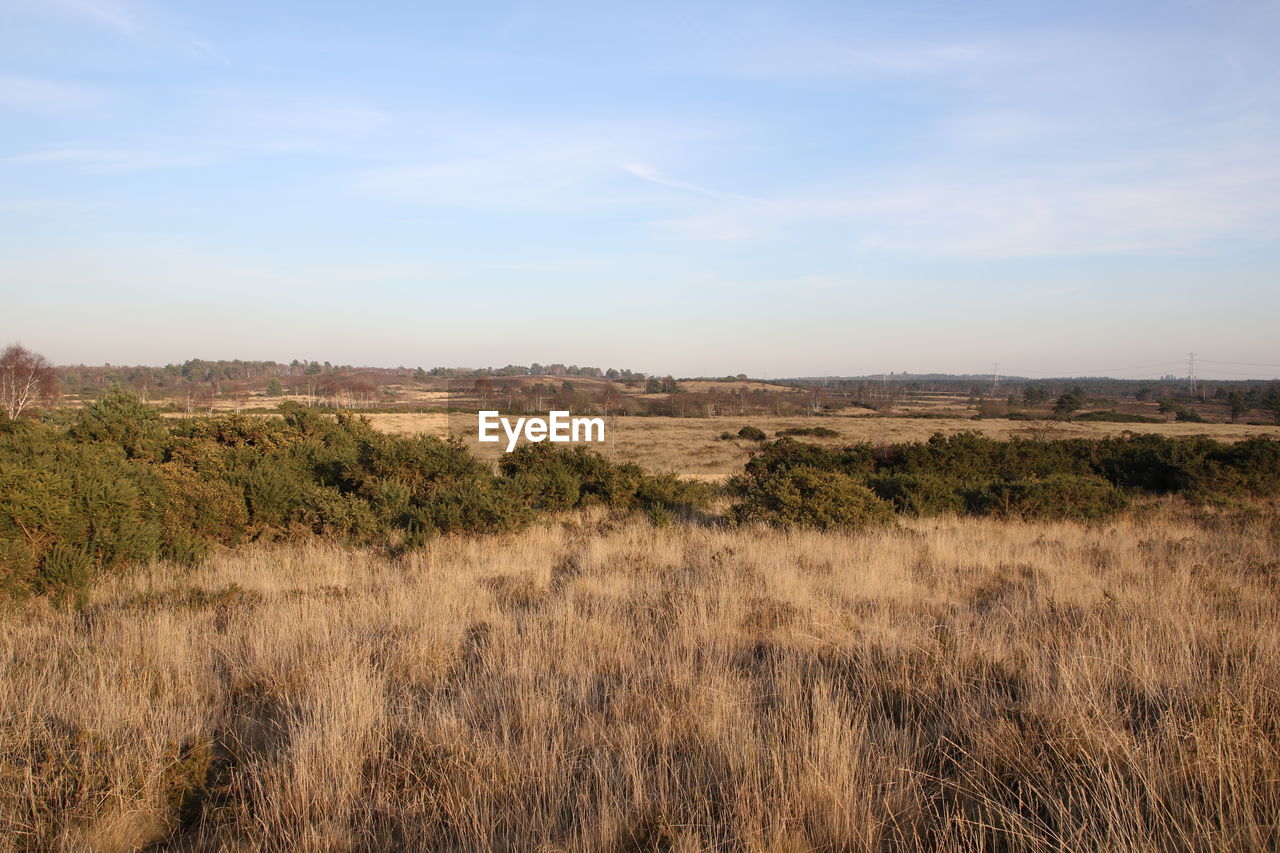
{"x": 1067, "y": 496}
{"x": 810, "y": 497}
{"x": 919, "y": 494}
{"x": 1114, "y": 417}
{"x": 115, "y": 484}
{"x": 969, "y": 473}
{"x": 551, "y": 479}
{"x": 67, "y": 509}
{"x": 816, "y": 432}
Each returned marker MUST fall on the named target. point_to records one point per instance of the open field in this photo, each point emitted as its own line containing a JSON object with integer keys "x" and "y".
{"x": 691, "y": 447}
{"x": 600, "y": 684}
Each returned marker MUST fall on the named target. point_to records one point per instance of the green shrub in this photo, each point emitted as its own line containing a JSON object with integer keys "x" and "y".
{"x": 550, "y": 478}
{"x": 1060, "y": 496}
{"x": 1071, "y": 478}
{"x": 120, "y": 419}
{"x": 1114, "y": 417}
{"x": 665, "y": 497}
{"x": 63, "y": 502}
{"x": 86, "y": 492}
{"x": 919, "y": 494}
{"x": 752, "y": 433}
{"x": 816, "y": 432}
{"x": 805, "y": 496}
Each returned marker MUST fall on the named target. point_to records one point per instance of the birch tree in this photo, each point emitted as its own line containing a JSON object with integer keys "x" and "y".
{"x": 26, "y": 380}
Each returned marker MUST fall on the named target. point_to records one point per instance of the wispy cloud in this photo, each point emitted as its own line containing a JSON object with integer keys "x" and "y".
{"x": 823, "y": 56}
{"x": 1188, "y": 202}
{"x": 282, "y": 121}
{"x": 139, "y": 22}
{"x": 112, "y": 159}
{"x": 121, "y": 16}
{"x": 536, "y": 177}
{"x": 39, "y": 94}
{"x": 654, "y": 175}
{"x": 547, "y": 165}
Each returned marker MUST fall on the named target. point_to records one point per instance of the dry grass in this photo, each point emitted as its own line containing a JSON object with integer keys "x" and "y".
{"x": 691, "y": 447}
{"x": 601, "y": 684}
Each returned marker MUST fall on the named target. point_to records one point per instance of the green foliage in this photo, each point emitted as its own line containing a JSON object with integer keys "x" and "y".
{"x": 119, "y": 418}
{"x": 1114, "y": 417}
{"x": 113, "y": 484}
{"x": 548, "y": 478}
{"x": 919, "y": 494}
{"x": 1069, "y": 403}
{"x": 63, "y": 503}
{"x": 752, "y": 433}
{"x": 1271, "y": 401}
{"x": 1237, "y": 404}
{"x": 1066, "y": 496}
{"x": 116, "y": 485}
{"x": 816, "y": 432}
{"x": 809, "y": 497}
{"x": 1034, "y": 395}
{"x": 970, "y": 473}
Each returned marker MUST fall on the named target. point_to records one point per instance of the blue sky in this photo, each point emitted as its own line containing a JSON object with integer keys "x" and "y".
{"x": 696, "y": 188}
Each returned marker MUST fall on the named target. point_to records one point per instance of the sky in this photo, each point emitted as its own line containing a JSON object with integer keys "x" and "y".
{"x": 696, "y": 188}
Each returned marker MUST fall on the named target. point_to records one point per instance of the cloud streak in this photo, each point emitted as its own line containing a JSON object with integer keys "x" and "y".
{"x": 42, "y": 95}
{"x": 652, "y": 174}
{"x": 111, "y": 159}
{"x": 1190, "y": 205}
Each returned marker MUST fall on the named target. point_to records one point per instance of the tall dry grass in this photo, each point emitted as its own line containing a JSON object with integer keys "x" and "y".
{"x": 601, "y": 684}
{"x": 692, "y": 447}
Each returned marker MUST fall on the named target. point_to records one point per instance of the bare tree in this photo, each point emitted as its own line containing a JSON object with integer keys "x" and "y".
{"x": 26, "y": 380}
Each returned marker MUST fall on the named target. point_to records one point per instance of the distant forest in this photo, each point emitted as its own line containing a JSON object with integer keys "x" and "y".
{"x": 200, "y": 385}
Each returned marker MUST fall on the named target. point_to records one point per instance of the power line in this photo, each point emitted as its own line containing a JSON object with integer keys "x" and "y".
{"x": 1245, "y": 375}
{"x": 1107, "y": 371}
{"x": 1240, "y": 363}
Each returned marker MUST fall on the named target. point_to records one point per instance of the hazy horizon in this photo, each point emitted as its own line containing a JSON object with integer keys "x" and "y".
{"x": 773, "y": 189}
{"x": 1205, "y": 372}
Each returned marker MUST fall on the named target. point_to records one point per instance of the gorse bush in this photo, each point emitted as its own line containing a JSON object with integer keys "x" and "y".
{"x": 67, "y": 507}
{"x": 918, "y": 494}
{"x": 1068, "y": 496}
{"x": 115, "y": 484}
{"x": 816, "y": 432}
{"x": 811, "y": 497}
{"x": 551, "y": 479}
{"x": 1082, "y": 479}
{"x": 1112, "y": 416}
{"x": 112, "y": 484}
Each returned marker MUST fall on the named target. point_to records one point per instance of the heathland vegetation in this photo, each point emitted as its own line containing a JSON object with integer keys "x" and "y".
{"x": 112, "y": 483}
{"x": 205, "y": 386}
{"x": 298, "y": 632}
{"x": 599, "y": 683}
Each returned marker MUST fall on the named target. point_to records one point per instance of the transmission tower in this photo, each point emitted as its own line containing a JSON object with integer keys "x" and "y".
{"x": 995, "y": 379}
{"x": 1191, "y": 373}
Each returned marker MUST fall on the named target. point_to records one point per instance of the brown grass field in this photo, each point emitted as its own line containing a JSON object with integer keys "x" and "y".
{"x": 691, "y": 447}
{"x": 599, "y": 684}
